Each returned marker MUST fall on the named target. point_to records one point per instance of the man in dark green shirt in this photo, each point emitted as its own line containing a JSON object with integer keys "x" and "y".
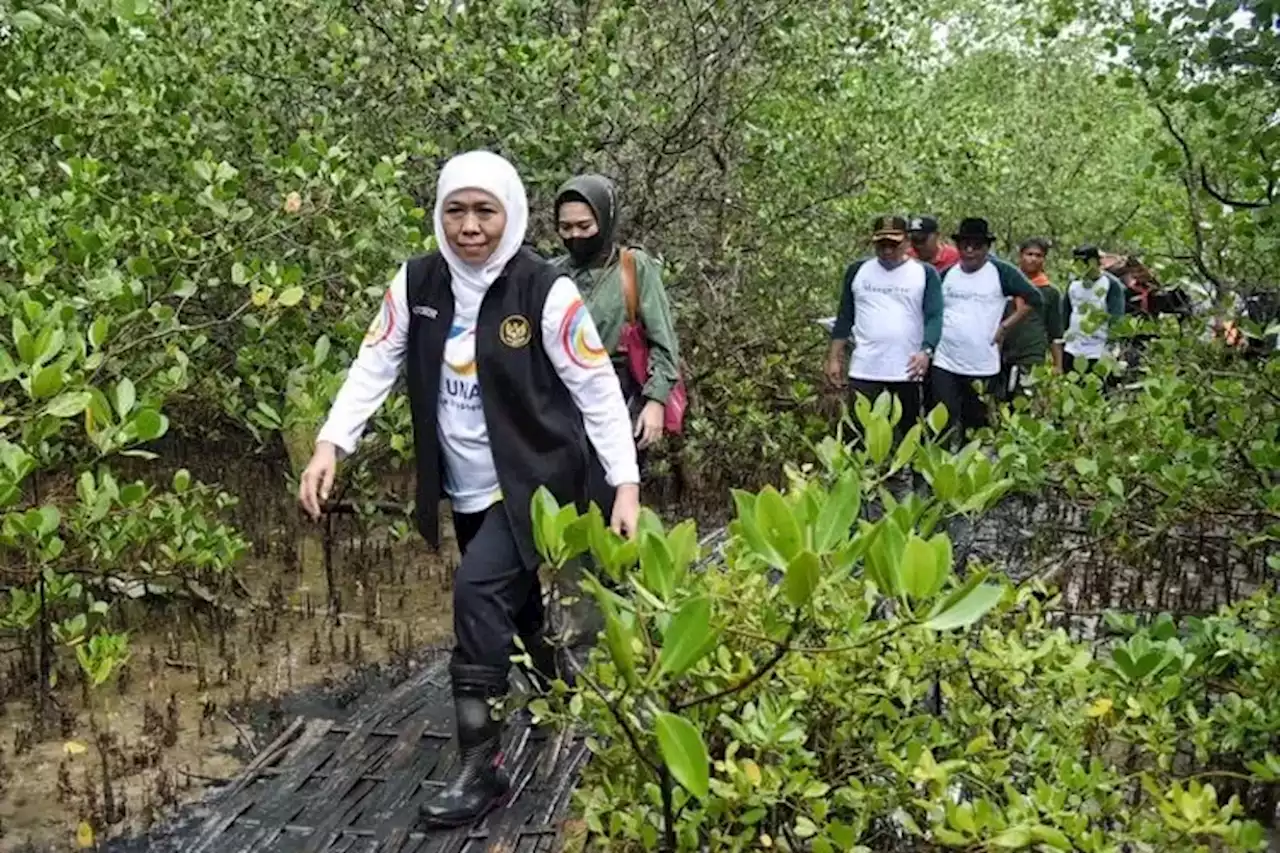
{"x": 1039, "y": 331}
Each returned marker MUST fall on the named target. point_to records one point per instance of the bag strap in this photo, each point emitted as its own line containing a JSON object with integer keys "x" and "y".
{"x": 630, "y": 293}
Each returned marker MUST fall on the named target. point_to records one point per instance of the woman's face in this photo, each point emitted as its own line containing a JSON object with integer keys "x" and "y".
{"x": 576, "y": 219}
{"x": 473, "y": 225}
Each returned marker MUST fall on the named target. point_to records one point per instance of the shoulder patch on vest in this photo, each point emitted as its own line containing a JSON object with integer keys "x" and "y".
{"x": 515, "y": 331}
{"x": 579, "y": 337}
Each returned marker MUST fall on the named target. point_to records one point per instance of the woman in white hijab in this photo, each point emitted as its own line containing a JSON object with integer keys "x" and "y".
{"x": 505, "y": 374}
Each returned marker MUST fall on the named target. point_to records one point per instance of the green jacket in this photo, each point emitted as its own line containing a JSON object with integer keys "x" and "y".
{"x": 1027, "y": 343}
{"x": 601, "y": 289}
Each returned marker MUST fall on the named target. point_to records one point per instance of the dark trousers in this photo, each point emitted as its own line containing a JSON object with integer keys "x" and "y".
{"x": 908, "y": 394}
{"x": 1012, "y": 380}
{"x": 1078, "y": 363}
{"x": 495, "y": 596}
{"x": 963, "y": 398}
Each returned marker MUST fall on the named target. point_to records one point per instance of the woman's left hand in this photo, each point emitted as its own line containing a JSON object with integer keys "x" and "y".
{"x": 626, "y": 510}
{"x": 649, "y": 425}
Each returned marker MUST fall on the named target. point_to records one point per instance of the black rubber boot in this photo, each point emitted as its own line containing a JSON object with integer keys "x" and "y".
{"x": 481, "y": 782}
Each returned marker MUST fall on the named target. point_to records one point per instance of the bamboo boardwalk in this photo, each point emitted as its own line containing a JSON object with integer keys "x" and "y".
{"x": 354, "y": 785}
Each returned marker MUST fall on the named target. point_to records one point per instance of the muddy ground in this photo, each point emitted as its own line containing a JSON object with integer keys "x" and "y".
{"x": 186, "y": 716}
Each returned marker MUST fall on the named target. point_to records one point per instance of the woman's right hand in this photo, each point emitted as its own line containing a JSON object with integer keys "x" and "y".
{"x": 317, "y": 479}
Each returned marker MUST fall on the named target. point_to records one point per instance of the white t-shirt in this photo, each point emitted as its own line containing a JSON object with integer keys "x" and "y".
{"x": 470, "y": 477}
{"x": 972, "y": 308}
{"x": 888, "y": 320}
{"x": 1088, "y": 330}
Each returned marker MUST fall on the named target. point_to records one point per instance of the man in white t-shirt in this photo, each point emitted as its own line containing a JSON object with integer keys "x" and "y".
{"x": 1093, "y": 304}
{"x": 974, "y": 294}
{"x": 891, "y": 306}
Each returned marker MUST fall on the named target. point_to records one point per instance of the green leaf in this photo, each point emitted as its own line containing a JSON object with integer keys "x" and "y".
{"x": 749, "y": 529}
{"x": 1116, "y": 486}
{"x": 68, "y": 405}
{"x": 1051, "y": 836}
{"x": 181, "y": 480}
{"x": 683, "y": 543}
{"x": 778, "y": 527}
{"x": 1086, "y": 467}
{"x": 98, "y": 331}
{"x": 126, "y": 396}
{"x": 657, "y": 569}
{"x": 879, "y": 438}
{"x": 1125, "y": 663}
{"x": 945, "y": 481}
{"x": 99, "y": 414}
{"x": 543, "y": 510}
{"x": 884, "y": 556}
{"x": 839, "y": 513}
{"x": 919, "y": 569}
{"x": 1013, "y": 838}
{"x": 239, "y": 275}
{"x": 684, "y": 753}
{"x": 150, "y": 424}
{"x": 688, "y": 638}
{"x": 862, "y": 410}
{"x": 132, "y": 494}
{"x": 25, "y": 19}
{"x": 937, "y": 419}
{"x": 963, "y": 612}
{"x": 270, "y": 416}
{"x": 291, "y": 296}
{"x": 907, "y": 448}
{"x": 649, "y": 522}
{"x": 617, "y": 637}
{"x": 942, "y": 555}
{"x": 801, "y": 578}
{"x": 49, "y": 519}
{"x": 47, "y": 382}
{"x": 320, "y": 353}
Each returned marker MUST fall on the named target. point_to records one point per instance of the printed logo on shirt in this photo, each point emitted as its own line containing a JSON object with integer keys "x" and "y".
{"x": 426, "y": 311}
{"x": 460, "y": 350}
{"x": 889, "y": 289}
{"x": 514, "y": 331}
{"x": 580, "y": 339}
{"x": 383, "y": 324}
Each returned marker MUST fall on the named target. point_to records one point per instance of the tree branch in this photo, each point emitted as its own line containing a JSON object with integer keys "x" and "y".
{"x": 1231, "y": 202}
{"x": 579, "y": 672}
{"x": 1192, "y": 208}
{"x": 778, "y": 655}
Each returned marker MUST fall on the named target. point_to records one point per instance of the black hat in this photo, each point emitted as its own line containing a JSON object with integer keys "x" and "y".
{"x": 1086, "y": 252}
{"x": 923, "y": 225}
{"x": 891, "y": 229}
{"x": 974, "y": 228}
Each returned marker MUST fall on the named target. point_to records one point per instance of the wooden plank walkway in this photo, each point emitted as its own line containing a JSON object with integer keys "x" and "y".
{"x": 354, "y": 785}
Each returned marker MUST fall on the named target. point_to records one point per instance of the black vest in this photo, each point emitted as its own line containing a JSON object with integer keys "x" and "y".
{"x": 535, "y": 429}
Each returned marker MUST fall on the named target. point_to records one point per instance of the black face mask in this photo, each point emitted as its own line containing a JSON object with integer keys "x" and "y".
{"x": 583, "y": 250}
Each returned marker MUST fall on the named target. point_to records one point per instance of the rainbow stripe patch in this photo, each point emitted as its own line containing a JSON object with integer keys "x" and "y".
{"x": 579, "y": 338}
{"x": 383, "y": 324}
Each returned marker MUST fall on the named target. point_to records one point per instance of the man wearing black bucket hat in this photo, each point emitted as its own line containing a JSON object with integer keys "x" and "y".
{"x": 974, "y": 293}
{"x": 891, "y": 306}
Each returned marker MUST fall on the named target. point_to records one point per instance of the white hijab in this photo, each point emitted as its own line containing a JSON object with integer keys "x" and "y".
{"x": 482, "y": 170}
